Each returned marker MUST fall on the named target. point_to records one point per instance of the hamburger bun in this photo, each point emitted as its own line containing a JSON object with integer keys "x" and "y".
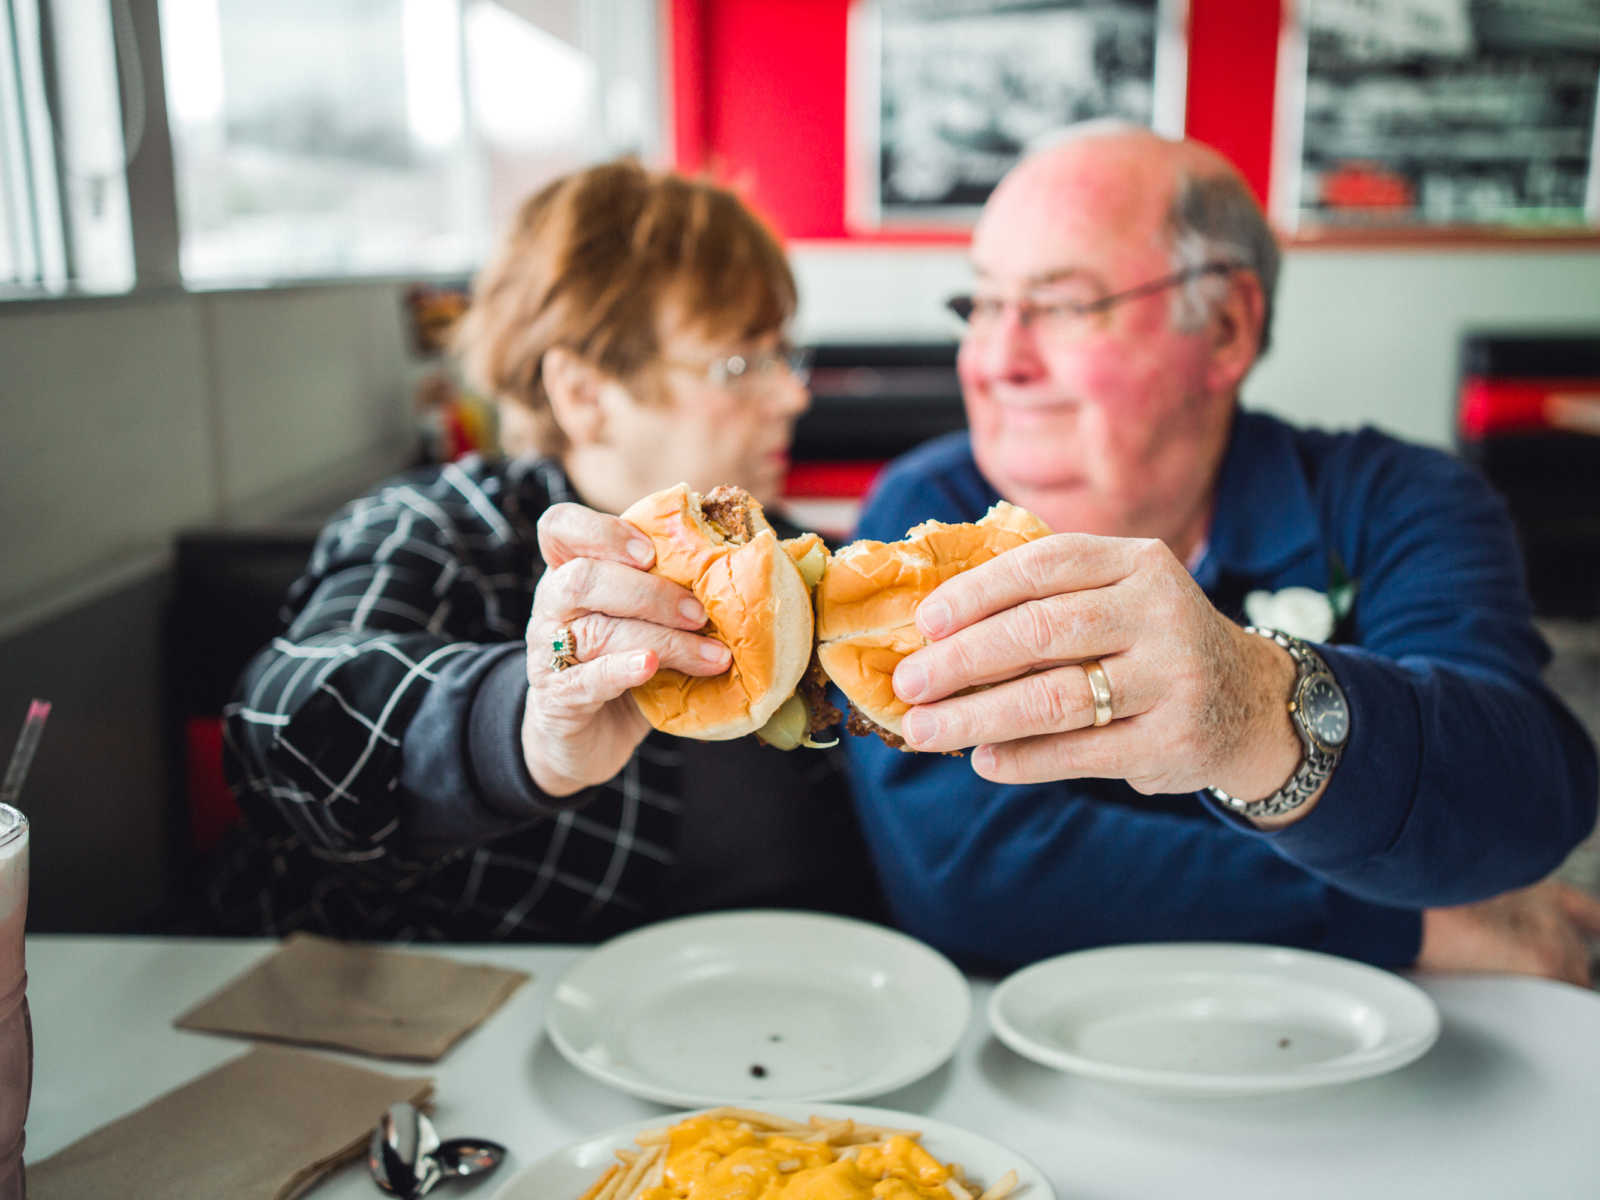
{"x": 867, "y": 602}
{"x": 722, "y": 549}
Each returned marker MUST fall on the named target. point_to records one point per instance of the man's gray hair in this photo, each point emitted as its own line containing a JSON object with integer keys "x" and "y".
{"x": 1214, "y": 218}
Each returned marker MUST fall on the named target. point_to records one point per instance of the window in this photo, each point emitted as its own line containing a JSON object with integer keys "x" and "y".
{"x": 311, "y": 139}
{"x": 328, "y": 138}
{"x": 66, "y": 135}
{"x": 318, "y": 138}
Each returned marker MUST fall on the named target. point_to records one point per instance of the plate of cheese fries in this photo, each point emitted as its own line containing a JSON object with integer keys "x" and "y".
{"x": 821, "y": 1152}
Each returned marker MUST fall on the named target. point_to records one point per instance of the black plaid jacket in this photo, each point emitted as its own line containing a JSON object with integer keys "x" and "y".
{"x": 373, "y": 809}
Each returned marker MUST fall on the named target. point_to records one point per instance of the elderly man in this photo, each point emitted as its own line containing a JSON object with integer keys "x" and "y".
{"x": 1400, "y": 753}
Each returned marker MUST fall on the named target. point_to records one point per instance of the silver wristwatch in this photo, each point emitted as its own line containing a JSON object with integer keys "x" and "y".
{"x": 1321, "y": 717}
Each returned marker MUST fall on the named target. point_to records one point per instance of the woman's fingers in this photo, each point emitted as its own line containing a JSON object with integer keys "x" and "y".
{"x": 569, "y": 531}
{"x": 598, "y": 678}
{"x": 599, "y": 636}
{"x": 587, "y": 687}
{"x": 611, "y": 655}
{"x": 591, "y": 585}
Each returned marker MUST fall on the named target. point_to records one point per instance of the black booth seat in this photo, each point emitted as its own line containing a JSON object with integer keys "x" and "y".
{"x": 1549, "y": 476}
{"x": 228, "y": 591}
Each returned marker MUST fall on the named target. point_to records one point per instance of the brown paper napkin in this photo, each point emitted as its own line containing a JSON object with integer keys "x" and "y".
{"x": 267, "y": 1125}
{"x": 318, "y": 992}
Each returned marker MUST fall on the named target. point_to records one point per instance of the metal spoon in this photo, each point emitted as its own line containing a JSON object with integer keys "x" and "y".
{"x": 462, "y": 1157}
{"x": 407, "y": 1159}
{"x": 400, "y": 1154}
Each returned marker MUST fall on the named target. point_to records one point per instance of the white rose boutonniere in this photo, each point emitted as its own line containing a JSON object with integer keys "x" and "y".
{"x": 1304, "y": 612}
{"x": 1300, "y": 612}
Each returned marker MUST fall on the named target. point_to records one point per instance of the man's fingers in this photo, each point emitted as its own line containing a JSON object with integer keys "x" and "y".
{"x": 592, "y": 585}
{"x": 1030, "y": 635}
{"x": 601, "y": 636}
{"x": 568, "y": 531}
{"x": 1105, "y": 753}
{"x": 1054, "y": 701}
{"x": 1063, "y": 562}
{"x": 1578, "y": 966}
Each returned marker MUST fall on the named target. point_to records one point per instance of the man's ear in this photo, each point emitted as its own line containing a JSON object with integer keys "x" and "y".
{"x": 573, "y": 387}
{"x": 1235, "y": 331}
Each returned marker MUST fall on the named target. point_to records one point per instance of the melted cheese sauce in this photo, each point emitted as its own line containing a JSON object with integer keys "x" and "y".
{"x": 721, "y": 1159}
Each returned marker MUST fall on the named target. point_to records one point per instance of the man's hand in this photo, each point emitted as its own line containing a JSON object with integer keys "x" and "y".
{"x": 1540, "y": 930}
{"x": 1196, "y": 701}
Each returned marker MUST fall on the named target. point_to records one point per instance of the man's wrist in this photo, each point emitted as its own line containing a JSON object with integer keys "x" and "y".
{"x": 1270, "y": 748}
{"x": 1319, "y": 718}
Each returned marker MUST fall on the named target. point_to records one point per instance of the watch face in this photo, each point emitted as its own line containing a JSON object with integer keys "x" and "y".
{"x": 1323, "y": 710}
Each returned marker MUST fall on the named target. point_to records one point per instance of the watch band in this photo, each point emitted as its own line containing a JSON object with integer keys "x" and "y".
{"x": 1316, "y": 763}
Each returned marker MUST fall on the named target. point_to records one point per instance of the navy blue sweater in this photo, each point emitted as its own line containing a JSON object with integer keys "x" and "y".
{"x": 1463, "y": 775}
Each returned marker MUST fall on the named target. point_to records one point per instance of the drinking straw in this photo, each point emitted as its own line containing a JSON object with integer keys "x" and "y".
{"x": 22, "y": 754}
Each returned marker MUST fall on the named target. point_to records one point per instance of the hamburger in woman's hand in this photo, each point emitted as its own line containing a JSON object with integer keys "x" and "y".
{"x": 867, "y": 605}
{"x": 756, "y": 591}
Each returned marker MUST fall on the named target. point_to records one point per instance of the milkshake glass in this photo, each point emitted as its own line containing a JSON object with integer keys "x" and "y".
{"x": 16, "y": 1030}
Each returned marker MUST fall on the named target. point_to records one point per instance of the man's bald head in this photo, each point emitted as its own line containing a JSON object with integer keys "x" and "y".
{"x": 1179, "y": 194}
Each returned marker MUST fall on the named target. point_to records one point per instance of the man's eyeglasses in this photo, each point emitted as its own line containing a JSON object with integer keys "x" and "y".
{"x": 983, "y": 313}
{"x": 740, "y": 372}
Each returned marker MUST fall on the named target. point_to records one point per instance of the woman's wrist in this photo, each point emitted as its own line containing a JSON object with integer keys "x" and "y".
{"x": 554, "y": 783}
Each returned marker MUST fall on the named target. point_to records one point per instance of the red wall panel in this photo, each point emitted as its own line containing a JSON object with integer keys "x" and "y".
{"x": 686, "y": 66}
{"x": 777, "y": 72}
{"x": 1233, "y": 65}
{"x": 760, "y": 90}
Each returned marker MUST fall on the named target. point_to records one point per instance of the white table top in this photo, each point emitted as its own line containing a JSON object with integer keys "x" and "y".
{"x": 1507, "y": 1103}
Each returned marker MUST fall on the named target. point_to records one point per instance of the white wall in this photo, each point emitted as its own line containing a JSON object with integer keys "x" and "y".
{"x": 1373, "y": 337}
{"x": 1360, "y": 337}
{"x": 128, "y": 419}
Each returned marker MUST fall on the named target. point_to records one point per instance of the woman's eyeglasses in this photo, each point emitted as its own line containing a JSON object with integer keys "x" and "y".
{"x": 740, "y": 372}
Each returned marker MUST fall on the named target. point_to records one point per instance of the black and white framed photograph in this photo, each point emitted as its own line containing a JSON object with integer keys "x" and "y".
{"x": 1438, "y": 113}
{"x": 947, "y": 94}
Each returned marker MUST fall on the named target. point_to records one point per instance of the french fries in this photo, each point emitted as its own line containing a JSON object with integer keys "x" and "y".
{"x": 764, "y": 1142}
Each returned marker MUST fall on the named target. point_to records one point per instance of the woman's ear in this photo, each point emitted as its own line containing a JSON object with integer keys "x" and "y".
{"x": 574, "y": 388}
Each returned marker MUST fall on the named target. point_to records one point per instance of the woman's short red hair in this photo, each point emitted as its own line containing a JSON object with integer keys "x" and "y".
{"x": 596, "y": 262}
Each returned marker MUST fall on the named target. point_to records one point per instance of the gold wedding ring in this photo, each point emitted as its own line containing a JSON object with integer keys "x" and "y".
{"x": 1100, "y": 688}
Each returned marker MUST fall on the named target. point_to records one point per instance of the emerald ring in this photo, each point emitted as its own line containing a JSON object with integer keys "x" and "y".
{"x": 564, "y": 650}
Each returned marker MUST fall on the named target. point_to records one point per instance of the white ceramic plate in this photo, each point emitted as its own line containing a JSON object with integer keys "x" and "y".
{"x": 565, "y": 1174}
{"x": 750, "y": 1007}
{"x": 1213, "y": 1019}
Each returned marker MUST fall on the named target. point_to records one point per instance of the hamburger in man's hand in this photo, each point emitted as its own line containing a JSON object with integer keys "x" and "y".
{"x": 756, "y": 591}
{"x": 867, "y": 605}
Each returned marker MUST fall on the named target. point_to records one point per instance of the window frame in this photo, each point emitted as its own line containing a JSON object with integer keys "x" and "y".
{"x": 152, "y": 183}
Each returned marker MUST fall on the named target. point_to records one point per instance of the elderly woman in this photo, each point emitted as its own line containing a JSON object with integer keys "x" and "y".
{"x": 408, "y": 762}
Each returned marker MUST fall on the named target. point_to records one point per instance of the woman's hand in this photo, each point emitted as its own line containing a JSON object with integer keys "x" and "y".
{"x": 1195, "y": 700}
{"x": 581, "y": 725}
